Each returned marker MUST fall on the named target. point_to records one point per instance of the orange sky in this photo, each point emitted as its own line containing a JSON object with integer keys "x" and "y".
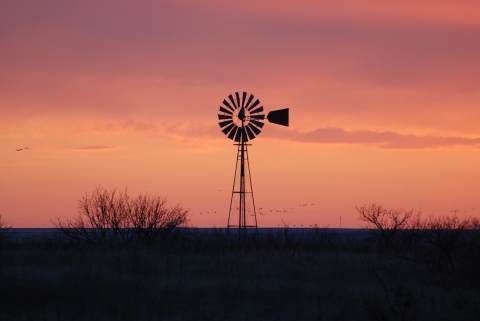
{"x": 384, "y": 99}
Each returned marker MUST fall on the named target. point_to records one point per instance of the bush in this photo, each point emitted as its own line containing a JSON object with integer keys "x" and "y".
{"x": 448, "y": 238}
{"x": 386, "y": 224}
{"x": 114, "y": 217}
{"x": 449, "y": 244}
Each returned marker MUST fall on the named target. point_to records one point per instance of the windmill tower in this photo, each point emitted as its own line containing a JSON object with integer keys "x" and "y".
{"x": 241, "y": 120}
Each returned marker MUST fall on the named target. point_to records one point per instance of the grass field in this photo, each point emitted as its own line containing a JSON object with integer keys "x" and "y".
{"x": 206, "y": 276}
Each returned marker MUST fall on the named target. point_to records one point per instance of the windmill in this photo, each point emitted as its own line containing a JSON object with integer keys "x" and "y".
{"x": 241, "y": 120}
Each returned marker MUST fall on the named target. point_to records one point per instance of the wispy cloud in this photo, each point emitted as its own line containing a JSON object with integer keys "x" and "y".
{"x": 385, "y": 139}
{"x": 188, "y": 132}
{"x": 194, "y": 132}
{"x": 98, "y": 148}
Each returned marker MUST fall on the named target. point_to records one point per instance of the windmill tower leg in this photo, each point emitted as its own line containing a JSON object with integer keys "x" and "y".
{"x": 251, "y": 189}
{"x": 242, "y": 221}
{"x": 242, "y": 196}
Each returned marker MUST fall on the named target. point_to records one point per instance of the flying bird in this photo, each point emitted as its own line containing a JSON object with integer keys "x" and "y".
{"x": 19, "y": 149}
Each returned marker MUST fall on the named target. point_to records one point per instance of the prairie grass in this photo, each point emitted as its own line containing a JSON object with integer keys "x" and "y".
{"x": 207, "y": 276}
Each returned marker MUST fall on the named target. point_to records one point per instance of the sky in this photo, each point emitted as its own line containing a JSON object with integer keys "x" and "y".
{"x": 384, "y": 100}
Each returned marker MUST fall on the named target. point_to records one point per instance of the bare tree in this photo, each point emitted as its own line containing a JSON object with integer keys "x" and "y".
{"x": 150, "y": 217}
{"x": 448, "y": 239}
{"x": 385, "y": 223}
{"x": 114, "y": 217}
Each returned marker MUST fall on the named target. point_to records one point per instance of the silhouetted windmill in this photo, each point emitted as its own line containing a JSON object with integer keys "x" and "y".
{"x": 241, "y": 120}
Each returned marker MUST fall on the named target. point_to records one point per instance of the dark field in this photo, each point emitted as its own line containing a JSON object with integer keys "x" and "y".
{"x": 195, "y": 274}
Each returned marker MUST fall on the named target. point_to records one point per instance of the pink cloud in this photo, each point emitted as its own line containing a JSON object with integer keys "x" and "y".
{"x": 386, "y": 139}
{"x": 98, "y": 148}
{"x": 195, "y": 132}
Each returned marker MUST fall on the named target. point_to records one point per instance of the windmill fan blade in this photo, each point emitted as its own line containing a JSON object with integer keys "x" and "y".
{"x": 238, "y": 99}
{"x": 225, "y": 102}
{"x": 279, "y": 117}
{"x": 228, "y": 128}
{"x": 233, "y": 132}
{"x": 249, "y": 132}
{"x": 244, "y": 135}
{"x": 256, "y": 123}
{"x": 243, "y": 99}
{"x": 238, "y": 135}
{"x": 254, "y": 105}
{"x": 262, "y": 116}
{"x": 232, "y": 100}
{"x": 226, "y": 110}
{"x": 249, "y": 100}
{"x": 255, "y": 129}
{"x": 259, "y": 109}
{"x": 225, "y": 123}
{"x": 220, "y": 117}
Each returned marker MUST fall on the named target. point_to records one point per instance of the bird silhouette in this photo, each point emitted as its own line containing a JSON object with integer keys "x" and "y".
{"x": 19, "y": 149}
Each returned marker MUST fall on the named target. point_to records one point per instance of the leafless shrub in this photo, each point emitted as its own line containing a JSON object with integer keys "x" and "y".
{"x": 113, "y": 217}
{"x": 412, "y": 234}
{"x": 448, "y": 244}
{"x": 448, "y": 240}
{"x": 151, "y": 219}
{"x": 385, "y": 223}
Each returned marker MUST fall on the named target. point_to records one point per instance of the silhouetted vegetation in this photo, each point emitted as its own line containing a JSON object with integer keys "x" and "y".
{"x": 386, "y": 224}
{"x": 449, "y": 244}
{"x": 426, "y": 272}
{"x": 114, "y": 217}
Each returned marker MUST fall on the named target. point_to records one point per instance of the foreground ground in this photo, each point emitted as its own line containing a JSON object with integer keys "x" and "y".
{"x": 209, "y": 277}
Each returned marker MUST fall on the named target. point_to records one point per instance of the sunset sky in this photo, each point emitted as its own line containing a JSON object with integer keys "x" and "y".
{"x": 384, "y": 101}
